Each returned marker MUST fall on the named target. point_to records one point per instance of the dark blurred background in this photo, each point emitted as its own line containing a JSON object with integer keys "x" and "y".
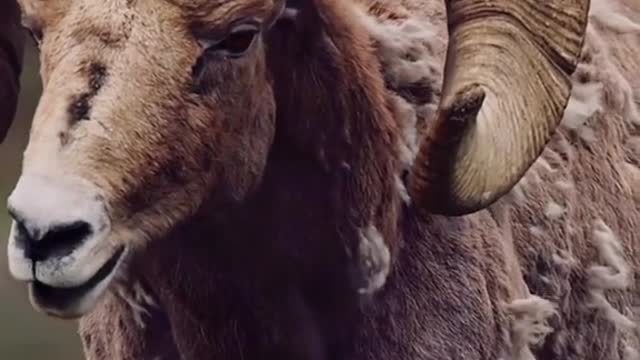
{"x": 24, "y": 333}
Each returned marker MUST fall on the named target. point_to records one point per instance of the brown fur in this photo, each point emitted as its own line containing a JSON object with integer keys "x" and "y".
{"x": 247, "y": 205}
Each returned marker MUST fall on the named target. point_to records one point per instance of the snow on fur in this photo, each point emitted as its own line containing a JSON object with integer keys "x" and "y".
{"x": 406, "y": 49}
{"x": 529, "y": 325}
{"x": 611, "y": 14}
{"x": 375, "y": 259}
{"x": 614, "y": 274}
{"x": 585, "y": 101}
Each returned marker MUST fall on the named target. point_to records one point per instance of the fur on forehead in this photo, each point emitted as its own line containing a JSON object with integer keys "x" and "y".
{"x": 227, "y": 10}
{"x": 43, "y": 11}
{"x": 215, "y": 11}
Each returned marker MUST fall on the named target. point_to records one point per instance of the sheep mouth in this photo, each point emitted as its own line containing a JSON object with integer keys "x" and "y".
{"x": 73, "y": 302}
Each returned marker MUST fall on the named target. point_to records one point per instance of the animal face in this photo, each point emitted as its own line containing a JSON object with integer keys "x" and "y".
{"x": 149, "y": 107}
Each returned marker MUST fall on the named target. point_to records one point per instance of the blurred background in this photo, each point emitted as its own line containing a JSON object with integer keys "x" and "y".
{"x": 24, "y": 333}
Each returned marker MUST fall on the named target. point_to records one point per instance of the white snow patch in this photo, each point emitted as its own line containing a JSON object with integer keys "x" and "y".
{"x": 537, "y": 231}
{"x": 585, "y": 101}
{"x": 615, "y": 274}
{"x": 375, "y": 259}
{"x": 553, "y": 210}
{"x": 564, "y": 185}
{"x": 406, "y": 50}
{"x": 529, "y": 325}
{"x": 630, "y": 353}
{"x": 611, "y": 15}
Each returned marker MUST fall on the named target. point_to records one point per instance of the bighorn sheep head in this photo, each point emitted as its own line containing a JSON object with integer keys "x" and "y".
{"x": 152, "y": 108}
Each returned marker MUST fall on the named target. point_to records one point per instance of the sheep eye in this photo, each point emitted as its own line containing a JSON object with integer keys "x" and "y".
{"x": 235, "y": 44}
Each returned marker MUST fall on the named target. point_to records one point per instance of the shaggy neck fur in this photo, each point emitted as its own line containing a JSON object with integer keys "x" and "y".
{"x": 295, "y": 249}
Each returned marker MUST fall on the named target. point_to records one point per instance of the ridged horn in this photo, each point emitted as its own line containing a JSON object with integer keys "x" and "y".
{"x": 506, "y": 86}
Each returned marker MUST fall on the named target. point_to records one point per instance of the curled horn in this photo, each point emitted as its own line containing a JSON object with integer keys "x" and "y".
{"x": 506, "y": 86}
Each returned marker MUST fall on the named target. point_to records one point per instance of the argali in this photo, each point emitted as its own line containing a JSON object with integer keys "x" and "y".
{"x": 327, "y": 179}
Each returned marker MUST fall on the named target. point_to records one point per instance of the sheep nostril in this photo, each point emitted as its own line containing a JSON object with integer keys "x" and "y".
{"x": 57, "y": 241}
{"x": 60, "y": 240}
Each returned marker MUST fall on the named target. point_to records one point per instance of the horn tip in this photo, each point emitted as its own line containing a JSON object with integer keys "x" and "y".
{"x": 464, "y": 106}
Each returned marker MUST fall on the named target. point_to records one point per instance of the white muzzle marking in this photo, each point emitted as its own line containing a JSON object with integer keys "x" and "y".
{"x": 59, "y": 241}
